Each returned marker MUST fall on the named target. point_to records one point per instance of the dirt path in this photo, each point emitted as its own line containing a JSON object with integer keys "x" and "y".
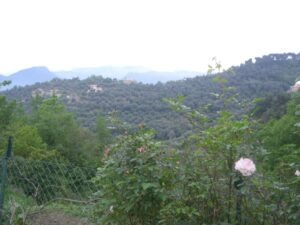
{"x": 55, "y": 218}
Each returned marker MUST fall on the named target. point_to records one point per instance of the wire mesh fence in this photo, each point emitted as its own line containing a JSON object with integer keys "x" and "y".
{"x": 43, "y": 182}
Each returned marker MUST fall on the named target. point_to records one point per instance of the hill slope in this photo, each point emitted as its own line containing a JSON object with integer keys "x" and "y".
{"x": 142, "y": 103}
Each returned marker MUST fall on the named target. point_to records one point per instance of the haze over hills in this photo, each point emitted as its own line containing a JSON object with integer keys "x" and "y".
{"x": 138, "y": 74}
{"x": 105, "y": 71}
{"x": 28, "y": 77}
{"x": 142, "y": 103}
{"x": 152, "y": 77}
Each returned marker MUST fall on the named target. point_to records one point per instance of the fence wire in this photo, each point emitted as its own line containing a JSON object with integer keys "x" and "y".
{"x": 44, "y": 182}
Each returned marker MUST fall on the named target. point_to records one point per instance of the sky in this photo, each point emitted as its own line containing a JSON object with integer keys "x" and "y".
{"x": 158, "y": 34}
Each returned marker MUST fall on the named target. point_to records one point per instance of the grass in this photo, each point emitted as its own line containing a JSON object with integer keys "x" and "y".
{"x": 18, "y": 207}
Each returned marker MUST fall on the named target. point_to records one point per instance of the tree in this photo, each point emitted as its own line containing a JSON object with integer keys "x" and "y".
{"x": 58, "y": 129}
{"x": 104, "y": 136}
{"x": 5, "y": 83}
{"x": 28, "y": 144}
{"x": 7, "y": 112}
{"x": 281, "y": 139}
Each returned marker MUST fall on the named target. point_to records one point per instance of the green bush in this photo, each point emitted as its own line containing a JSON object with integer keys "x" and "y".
{"x": 134, "y": 181}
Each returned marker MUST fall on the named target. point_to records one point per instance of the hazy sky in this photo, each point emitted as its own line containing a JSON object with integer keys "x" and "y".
{"x": 160, "y": 34}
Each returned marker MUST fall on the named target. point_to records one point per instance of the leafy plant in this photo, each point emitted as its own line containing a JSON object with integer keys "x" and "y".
{"x": 134, "y": 180}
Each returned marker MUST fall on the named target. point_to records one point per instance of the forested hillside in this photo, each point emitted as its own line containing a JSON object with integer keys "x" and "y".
{"x": 138, "y": 103}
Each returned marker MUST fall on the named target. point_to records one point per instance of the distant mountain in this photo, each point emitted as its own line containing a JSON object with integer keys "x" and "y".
{"x": 28, "y": 77}
{"x": 129, "y": 73}
{"x": 105, "y": 71}
{"x": 138, "y": 74}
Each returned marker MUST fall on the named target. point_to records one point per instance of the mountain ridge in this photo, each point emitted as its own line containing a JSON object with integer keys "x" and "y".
{"x": 28, "y": 76}
{"x": 33, "y": 75}
{"x": 138, "y": 74}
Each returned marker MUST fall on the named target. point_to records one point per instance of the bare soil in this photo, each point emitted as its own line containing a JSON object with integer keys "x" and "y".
{"x": 55, "y": 218}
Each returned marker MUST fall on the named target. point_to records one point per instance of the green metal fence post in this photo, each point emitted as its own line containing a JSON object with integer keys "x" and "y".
{"x": 4, "y": 176}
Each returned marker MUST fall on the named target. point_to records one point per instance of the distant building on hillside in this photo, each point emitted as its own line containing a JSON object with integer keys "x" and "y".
{"x": 94, "y": 88}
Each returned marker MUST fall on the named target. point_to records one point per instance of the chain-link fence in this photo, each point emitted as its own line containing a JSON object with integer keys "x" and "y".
{"x": 46, "y": 181}
{"x": 35, "y": 184}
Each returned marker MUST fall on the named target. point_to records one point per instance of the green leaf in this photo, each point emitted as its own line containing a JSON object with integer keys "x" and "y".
{"x": 146, "y": 186}
{"x": 297, "y": 113}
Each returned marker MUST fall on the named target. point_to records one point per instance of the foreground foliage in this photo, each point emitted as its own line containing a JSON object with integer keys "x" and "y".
{"x": 144, "y": 182}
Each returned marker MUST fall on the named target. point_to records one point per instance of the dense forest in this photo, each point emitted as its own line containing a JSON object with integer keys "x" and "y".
{"x": 137, "y": 103}
{"x": 225, "y": 147}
